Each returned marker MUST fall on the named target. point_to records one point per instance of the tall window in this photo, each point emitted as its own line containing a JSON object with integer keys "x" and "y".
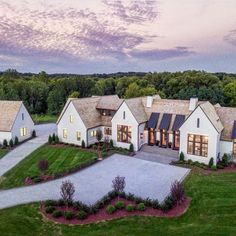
{"x": 65, "y": 133}
{"x": 198, "y": 145}
{"x": 78, "y": 136}
{"x": 71, "y": 119}
{"x": 124, "y": 115}
{"x": 23, "y": 132}
{"x": 124, "y": 133}
{"x": 22, "y": 116}
{"x": 93, "y": 133}
{"x": 198, "y": 122}
{"x": 234, "y": 147}
{"x": 107, "y": 131}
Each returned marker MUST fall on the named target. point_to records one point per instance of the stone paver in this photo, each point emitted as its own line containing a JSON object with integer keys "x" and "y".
{"x": 157, "y": 154}
{"x": 23, "y": 150}
{"x": 143, "y": 178}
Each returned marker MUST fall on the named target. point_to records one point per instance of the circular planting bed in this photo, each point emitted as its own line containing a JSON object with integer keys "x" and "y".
{"x": 110, "y": 207}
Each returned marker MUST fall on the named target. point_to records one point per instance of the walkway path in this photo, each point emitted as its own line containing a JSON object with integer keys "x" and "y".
{"x": 23, "y": 150}
{"x": 143, "y": 178}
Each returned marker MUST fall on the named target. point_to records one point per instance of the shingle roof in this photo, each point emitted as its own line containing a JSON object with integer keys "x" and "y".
{"x": 227, "y": 116}
{"x": 110, "y": 102}
{"x": 212, "y": 115}
{"x": 136, "y": 107}
{"x": 8, "y": 113}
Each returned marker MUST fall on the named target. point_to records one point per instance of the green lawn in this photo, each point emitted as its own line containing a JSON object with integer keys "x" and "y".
{"x": 60, "y": 159}
{"x": 212, "y": 212}
{"x": 44, "y": 118}
{"x": 3, "y": 152}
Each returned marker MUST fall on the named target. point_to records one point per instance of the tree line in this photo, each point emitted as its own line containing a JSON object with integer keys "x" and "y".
{"x": 43, "y": 93}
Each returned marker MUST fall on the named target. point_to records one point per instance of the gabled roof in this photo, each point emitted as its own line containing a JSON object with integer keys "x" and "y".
{"x": 210, "y": 112}
{"x": 227, "y": 116}
{"x": 136, "y": 107}
{"x": 8, "y": 114}
{"x": 110, "y": 102}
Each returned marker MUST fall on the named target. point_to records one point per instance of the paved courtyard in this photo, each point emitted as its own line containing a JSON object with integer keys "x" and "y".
{"x": 143, "y": 178}
{"x": 19, "y": 153}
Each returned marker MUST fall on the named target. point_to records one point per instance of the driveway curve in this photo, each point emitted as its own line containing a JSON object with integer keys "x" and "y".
{"x": 143, "y": 178}
{"x": 19, "y": 153}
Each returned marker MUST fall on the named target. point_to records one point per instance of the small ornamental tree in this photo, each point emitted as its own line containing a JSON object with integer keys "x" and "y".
{"x": 177, "y": 192}
{"x": 33, "y": 134}
{"x": 99, "y": 135}
{"x": 118, "y": 184}
{"x": 56, "y": 139}
{"x": 131, "y": 148}
{"x": 16, "y": 141}
{"x": 111, "y": 143}
{"x": 5, "y": 144}
{"x": 211, "y": 162}
{"x": 43, "y": 165}
{"x": 53, "y": 137}
{"x": 181, "y": 156}
{"x": 83, "y": 144}
{"x": 11, "y": 144}
{"x": 50, "y": 139}
{"x": 67, "y": 192}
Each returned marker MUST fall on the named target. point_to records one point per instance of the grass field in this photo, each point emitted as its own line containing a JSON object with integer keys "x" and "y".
{"x": 3, "y": 152}
{"x": 60, "y": 159}
{"x": 45, "y": 118}
{"x": 212, "y": 212}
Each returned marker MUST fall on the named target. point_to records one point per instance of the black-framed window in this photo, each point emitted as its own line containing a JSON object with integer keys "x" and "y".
{"x": 107, "y": 131}
{"x": 198, "y": 145}
{"x": 124, "y": 133}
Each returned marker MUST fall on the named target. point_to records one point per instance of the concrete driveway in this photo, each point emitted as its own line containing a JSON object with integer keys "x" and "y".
{"x": 143, "y": 178}
{"x": 23, "y": 150}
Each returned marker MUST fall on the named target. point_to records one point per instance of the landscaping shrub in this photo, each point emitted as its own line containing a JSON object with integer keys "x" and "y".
{"x": 93, "y": 209}
{"x": 50, "y": 209}
{"x": 189, "y": 161}
{"x": 214, "y": 168}
{"x": 120, "y": 205}
{"x": 57, "y": 214}
{"x": 167, "y": 204}
{"x": 82, "y": 215}
{"x": 130, "y": 196}
{"x": 155, "y": 204}
{"x": 138, "y": 200}
{"x": 225, "y": 160}
{"x": 67, "y": 191}
{"x": 83, "y": 144}
{"x": 33, "y": 134}
{"x": 148, "y": 202}
{"x": 69, "y": 215}
{"x": 11, "y": 144}
{"x": 110, "y": 209}
{"x": 50, "y": 139}
{"x": 130, "y": 208}
{"x": 211, "y": 162}
{"x": 60, "y": 202}
{"x": 131, "y": 147}
{"x": 43, "y": 165}
{"x": 220, "y": 166}
{"x": 111, "y": 145}
{"x": 177, "y": 192}
{"x": 5, "y": 143}
{"x": 112, "y": 194}
{"x": 16, "y": 141}
{"x": 141, "y": 207}
{"x": 56, "y": 139}
{"x": 181, "y": 156}
{"x": 49, "y": 203}
{"x": 53, "y": 137}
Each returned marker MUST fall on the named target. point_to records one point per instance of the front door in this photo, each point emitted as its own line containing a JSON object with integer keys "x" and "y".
{"x": 164, "y": 138}
{"x": 176, "y": 141}
{"x": 151, "y": 137}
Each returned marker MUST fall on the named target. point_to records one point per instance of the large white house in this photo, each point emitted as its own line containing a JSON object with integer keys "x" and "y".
{"x": 15, "y": 121}
{"x": 197, "y": 128}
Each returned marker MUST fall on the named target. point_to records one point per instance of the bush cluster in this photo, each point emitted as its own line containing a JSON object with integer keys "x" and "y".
{"x": 110, "y": 209}
{"x": 53, "y": 139}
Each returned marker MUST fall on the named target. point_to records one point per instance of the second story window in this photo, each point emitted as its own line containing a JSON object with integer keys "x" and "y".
{"x": 198, "y": 122}
{"x": 71, "y": 119}
{"x": 124, "y": 115}
{"x": 22, "y": 116}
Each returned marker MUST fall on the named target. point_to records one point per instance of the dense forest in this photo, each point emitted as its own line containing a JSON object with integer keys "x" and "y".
{"x": 43, "y": 93}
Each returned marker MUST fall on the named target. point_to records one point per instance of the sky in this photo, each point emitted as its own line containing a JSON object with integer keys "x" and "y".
{"x": 106, "y": 36}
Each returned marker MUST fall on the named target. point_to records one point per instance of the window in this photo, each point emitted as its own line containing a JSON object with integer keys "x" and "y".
{"x": 23, "y": 132}
{"x": 198, "y": 145}
{"x": 105, "y": 112}
{"x": 124, "y": 133}
{"x": 78, "y": 136}
{"x": 93, "y": 133}
{"x": 124, "y": 115}
{"x": 107, "y": 131}
{"x": 71, "y": 119}
{"x": 65, "y": 133}
{"x": 198, "y": 122}
{"x": 22, "y": 116}
{"x": 234, "y": 147}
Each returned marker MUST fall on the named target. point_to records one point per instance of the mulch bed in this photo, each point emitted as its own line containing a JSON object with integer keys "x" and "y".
{"x": 102, "y": 215}
{"x": 225, "y": 170}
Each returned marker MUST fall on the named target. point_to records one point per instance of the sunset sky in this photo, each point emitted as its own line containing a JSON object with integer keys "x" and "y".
{"x": 100, "y": 36}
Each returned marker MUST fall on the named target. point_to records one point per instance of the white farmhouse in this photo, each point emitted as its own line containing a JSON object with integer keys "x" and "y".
{"x": 197, "y": 128}
{"x": 15, "y": 121}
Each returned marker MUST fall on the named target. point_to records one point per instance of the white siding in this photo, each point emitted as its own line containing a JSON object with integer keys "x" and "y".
{"x": 226, "y": 147}
{"x": 5, "y": 135}
{"x": 142, "y": 135}
{"x": 72, "y": 128}
{"x": 91, "y": 139}
{"x": 206, "y": 128}
{"x": 129, "y": 121}
{"x": 19, "y": 123}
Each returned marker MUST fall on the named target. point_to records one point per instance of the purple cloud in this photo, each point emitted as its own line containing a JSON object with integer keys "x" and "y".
{"x": 161, "y": 54}
{"x": 231, "y": 37}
